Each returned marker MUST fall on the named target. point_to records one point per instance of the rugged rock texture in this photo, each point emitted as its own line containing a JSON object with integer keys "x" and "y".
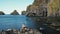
{"x": 38, "y": 8}
{"x": 2, "y": 13}
{"x": 14, "y": 31}
{"x": 54, "y": 8}
{"x": 44, "y": 8}
{"x": 14, "y": 13}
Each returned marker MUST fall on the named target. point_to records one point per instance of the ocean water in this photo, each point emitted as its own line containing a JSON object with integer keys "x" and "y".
{"x": 15, "y": 22}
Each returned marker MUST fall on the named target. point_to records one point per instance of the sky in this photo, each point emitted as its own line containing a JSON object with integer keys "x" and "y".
{"x": 8, "y": 6}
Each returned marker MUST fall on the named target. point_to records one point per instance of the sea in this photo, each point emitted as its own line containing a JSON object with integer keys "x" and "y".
{"x": 15, "y": 22}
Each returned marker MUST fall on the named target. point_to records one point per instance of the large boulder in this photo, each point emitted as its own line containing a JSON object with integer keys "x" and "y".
{"x": 15, "y": 12}
{"x": 2, "y": 13}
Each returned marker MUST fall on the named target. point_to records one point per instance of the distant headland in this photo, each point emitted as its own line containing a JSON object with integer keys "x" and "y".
{"x": 2, "y": 13}
{"x": 14, "y": 13}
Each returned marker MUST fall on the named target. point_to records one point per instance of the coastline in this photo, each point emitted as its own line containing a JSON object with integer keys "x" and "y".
{"x": 20, "y": 31}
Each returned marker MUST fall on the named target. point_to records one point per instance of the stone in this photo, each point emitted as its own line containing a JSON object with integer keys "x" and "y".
{"x": 15, "y": 12}
{"x": 38, "y": 8}
{"x": 2, "y": 13}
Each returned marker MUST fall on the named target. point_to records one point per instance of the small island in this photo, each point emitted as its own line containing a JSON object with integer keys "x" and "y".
{"x": 23, "y": 12}
{"x": 14, "y": 13}
{"x": 2, "y": 13}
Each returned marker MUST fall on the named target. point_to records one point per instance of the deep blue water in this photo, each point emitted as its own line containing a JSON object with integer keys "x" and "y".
{"x": 15, "y": 22}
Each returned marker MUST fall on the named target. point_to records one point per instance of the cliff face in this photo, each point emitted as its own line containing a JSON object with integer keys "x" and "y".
{"x": 14, "y": 13}
{"x": 54, "y": 8}
{"x": 38, "y": 8}
{"x": 2, "y": 13}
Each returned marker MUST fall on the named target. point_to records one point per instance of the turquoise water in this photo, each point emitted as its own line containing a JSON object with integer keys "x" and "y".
{"x": 15, "y": 22}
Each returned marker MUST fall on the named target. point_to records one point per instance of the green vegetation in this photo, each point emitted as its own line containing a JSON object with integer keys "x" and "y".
{"x": 54, "y": 8}
{"x": 15, "y": 12}
{"x": 2, "y": 13}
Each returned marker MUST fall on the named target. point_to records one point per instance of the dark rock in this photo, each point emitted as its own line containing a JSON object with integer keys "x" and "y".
{"x": 38, "y": 7}
{"x": 28, "y": 31}
{"x": 2, "y": 13}
{"x": 15, "y": 12}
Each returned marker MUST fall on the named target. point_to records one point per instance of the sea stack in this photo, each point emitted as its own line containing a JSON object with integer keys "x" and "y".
{"x": 2, "y": 13}
{"x": 15, "y": 12}
{"x": 23, "y": 12}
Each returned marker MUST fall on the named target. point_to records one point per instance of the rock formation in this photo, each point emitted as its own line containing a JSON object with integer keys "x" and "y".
{"x": 23, "y": 12}
{"x": 2, "y": 13}
{"x": 20, "y": 31}
{"x": 38, "y": 8}
{"x": 14, "y": 13}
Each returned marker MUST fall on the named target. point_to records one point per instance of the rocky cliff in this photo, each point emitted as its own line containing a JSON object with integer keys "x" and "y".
{"x": 23, "y": 12}
{"x": 44, "y": 8}
{"x": 2, "y": 13}
{"x": 54, "y": 8}
{"x": 15, "y": 12}
{"x": 38, "y": 8}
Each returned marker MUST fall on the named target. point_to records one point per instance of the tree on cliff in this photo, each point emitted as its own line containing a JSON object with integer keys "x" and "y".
{"x": 2, "y": 13}
{"x": 15, "y": 12}
{"x": 54, "y": 8}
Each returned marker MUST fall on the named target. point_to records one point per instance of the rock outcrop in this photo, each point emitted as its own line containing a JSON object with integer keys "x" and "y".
{"x": 14, "y": 13}
{"x": 20, "y": 31}
{"x": 23, "y": 12}
{"x": 38, "y": 8}
{"x": 2, "y": 13}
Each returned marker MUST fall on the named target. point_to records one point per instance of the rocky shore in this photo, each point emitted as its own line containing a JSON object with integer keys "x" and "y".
{"x": 20, "y": 31}
{"x": 23, "y": 30}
